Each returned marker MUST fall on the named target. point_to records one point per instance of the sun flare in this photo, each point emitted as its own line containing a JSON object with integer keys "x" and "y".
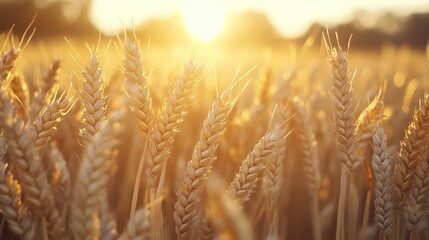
{"x": 203, "y": 19}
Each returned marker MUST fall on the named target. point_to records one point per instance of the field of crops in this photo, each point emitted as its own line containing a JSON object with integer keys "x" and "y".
{"x": 123, "y": 139}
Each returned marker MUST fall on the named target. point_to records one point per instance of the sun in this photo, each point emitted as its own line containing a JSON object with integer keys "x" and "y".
{"x": 203, "y": 19}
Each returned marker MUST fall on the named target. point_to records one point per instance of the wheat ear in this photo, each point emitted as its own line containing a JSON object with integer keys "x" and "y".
{"x": 29, "y": 168}
{"x": 44, "y": 94}
{"x": 245, "y": 181}
{"x": 3, "y": 148}
{"x": 20, "y": 90}
{"x": 416, "y": 206}
{"x": 20, "y": 220}
{"x": 138, "y": 228}
{"x": 165, "y": 125}
{"x": 161, "y": 138}
{"x": 7, "y": 62}
{"x": 107, "y": 221}
{"x": 342, "y": 91}
{"x": 136, "y": 86}
{"x": 308, "y": 145}
{"x": 228, "y": 215}
{"x": 411, "y": 149}
{"x": 199, "y": 167}
{"x": 92, "y": 99}
{"x": 272, "y": 181}
{"x": 271, "y": 184}
{"x": 45, "y": 124}
{"x": 60, "y": 177}
{"x": 382, "y": 166}
{"x": 91, "y": 180}
{"x": 366, "y": 125}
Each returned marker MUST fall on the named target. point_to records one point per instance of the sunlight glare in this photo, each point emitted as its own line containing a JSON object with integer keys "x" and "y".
{"x": 203, "y": 19}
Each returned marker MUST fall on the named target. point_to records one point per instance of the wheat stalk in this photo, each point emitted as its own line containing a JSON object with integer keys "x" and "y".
{"x": 411, "y": 149}
{"x": 382, "y": 166}
{"x": 138, "y": 228}
{"x": 3, "y": 148}
{"x": 20, "y": 220}
{"x": 7, "y": 62}
{"x": 60, "y": 177}
{"x": 107, "y": 221}
{"x": 366, "y": 124}
{"x": 136, "y": 86}
{"x": 342, "y": 91}
{"x": 20, "y": 90}
{"x": 91, "y": 180}
{"x": 44, "y": 93}
{"x": 199, "y": 167}
{"x": 45, "y": 124}
{"x": 165, "y": 125}
{"x": 28, "y": 165}
{"x": 228, "y": 215}
{"x": 245, "y": 181}
{"x": 272, "y": 183}
{"x": 311, "y": 161}
{"x": 416, "y": 206}
{"x": 161, "y": 138}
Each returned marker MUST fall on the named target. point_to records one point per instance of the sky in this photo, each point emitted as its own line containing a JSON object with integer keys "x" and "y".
{"x": 291, "y": 18}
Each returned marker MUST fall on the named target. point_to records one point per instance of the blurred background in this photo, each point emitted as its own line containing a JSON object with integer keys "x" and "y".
{"x": 238, "y": 22}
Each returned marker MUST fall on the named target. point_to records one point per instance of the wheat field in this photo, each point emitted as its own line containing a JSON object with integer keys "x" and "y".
{"x": 118, "y": 139}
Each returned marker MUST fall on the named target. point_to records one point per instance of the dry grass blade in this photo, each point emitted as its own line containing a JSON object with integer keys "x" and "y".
{"x": 165, "y": 126}
{"x": 382, "y": 166}
{"x": 91, "y": 180}
{"x": 92, "y": 99}
{"x": 416, "y": 204}
{"x": 136, "y": 86}
{"x": 138, "y": 228}
{"x": 20, "y": 220}
{"x": 411, "y": 149}
{"x": 199, "y": 167}
{"x": 29, "y": 168}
